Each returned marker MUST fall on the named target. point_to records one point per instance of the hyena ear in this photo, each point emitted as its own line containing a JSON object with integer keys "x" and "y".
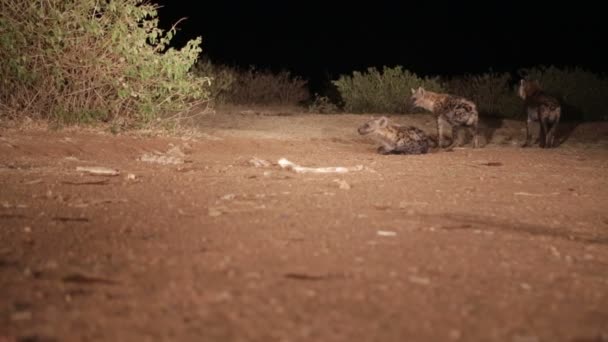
{"x": 383, "y": 121}
{"x": 413, "y": 91}
{"x": 421, "y": 90}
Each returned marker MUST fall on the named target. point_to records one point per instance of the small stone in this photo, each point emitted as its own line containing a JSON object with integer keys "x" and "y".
{"x": 214, "y": 212}
{"x": 257, "y": 162}
{"x": 555, "y": 252}
{"x": 455, "y": 334}
{"x": 229, "y": 197}
{"x": 342, "y": 184}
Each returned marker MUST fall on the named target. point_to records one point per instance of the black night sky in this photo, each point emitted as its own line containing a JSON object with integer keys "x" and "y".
{"x": 320, "y": 40}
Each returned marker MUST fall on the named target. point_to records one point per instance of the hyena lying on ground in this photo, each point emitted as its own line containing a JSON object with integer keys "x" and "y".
{"x": 542, "y": 108}
{"x": 454, "y": 110}
{"x": 396, "y": 139}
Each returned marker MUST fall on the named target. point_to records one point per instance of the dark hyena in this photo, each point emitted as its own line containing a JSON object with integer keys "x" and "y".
{"x": 454, "y": 110}
{"x": 540, "y": 107}
{"x": 396, "y": 139}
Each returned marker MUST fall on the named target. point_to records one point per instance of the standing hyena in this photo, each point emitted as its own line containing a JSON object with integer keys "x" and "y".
{"x": 542, "y": 108}
{"x": 454, "y": 110}
{"x": 395, "y": 138}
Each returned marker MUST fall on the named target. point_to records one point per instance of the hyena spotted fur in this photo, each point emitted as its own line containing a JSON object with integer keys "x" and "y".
{"x": 396, "y": 139}
{"x": 540, "y": 107}
{"x": 451, "y": 109}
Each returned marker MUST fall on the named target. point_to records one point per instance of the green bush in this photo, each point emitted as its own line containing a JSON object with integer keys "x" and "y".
{"x": 386, "y": 91}
{"x": 492, "y": 92}
{"x": 584, "y": 95}
{"x": 78, "y": 60}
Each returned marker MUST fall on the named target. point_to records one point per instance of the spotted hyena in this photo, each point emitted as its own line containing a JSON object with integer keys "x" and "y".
{"x": 540, "y": 107}
{"x": 396, "y": 139}
{"x": 451, "y": 109}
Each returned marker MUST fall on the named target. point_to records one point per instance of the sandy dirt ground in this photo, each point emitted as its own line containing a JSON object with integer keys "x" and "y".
{"x": 204, "y": 237}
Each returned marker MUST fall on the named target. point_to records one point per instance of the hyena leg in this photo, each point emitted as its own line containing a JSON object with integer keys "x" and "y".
{"x": 528, "y": 136}
{"x": 439, "y": 132}
{"x": 413, "y": 147}
{"x": 384, "y": 150}
{"x": 475, "y": 133}
{"x": 543, "y": 133}
{"x": 455, "y": 130}
{"x": 551, "y": 133}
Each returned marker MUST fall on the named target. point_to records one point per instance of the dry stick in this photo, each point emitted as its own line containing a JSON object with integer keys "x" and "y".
{"x": 185, "y": 110}
{"x": 70, "y": 219}
{"x": 31, "y": 101}
{"x": 85, "y": 279}
{"x": 95, "y": 182}
{"x": 301, "y": 276}
{"x": 9, "y": 216}
{"x": 522, "y": 193}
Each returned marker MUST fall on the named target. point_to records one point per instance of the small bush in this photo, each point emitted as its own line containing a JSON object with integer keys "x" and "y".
{"x": 263, "y": 87}
{"x": 252, "y": 86}
{"x": 492, "y": 92}
{"x": 386, "y": 91}
{"x": 80, "y": 60}
{"x": 222, "y": 79}
{"x": 583, "y": 94}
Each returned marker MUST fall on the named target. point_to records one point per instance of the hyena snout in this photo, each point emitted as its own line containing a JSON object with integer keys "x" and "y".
{"x": 365, "y": 129}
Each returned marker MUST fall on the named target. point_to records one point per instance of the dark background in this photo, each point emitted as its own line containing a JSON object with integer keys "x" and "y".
{"x": 319, "y": 41}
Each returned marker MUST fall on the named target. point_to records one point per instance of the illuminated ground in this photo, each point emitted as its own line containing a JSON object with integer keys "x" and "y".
{"x": 494, "y": 244}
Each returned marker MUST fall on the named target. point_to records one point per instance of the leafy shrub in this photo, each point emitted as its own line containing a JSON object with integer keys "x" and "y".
{"x": 78, "y": 60}
{"x": 492, "y": 92}
{"x": 252, "y": 86}
{"x": 386, "y": 91}
{"x": 263, "y": 87}
{"x": 583, "y": 94}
